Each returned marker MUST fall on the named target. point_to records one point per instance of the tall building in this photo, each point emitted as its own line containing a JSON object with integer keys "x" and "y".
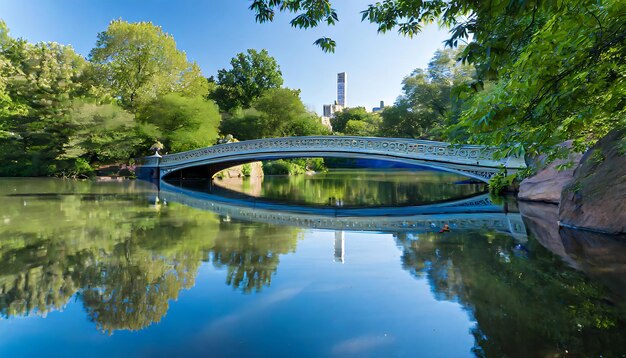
{"x": 342, "y": 89}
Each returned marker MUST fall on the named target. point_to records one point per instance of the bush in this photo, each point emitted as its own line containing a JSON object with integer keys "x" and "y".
{"x": 75, "y": 169}
{"x": 246, "y": 169}
{"x": 500, "y": 182}
{"x": 282, "y": 167}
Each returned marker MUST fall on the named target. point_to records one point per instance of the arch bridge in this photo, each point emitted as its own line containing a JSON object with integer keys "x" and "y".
{"x": 477, "y": 162}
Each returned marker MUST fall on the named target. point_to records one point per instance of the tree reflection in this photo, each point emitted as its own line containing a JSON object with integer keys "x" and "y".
{"x": 365, "y": 188}
{"x": 124, "y": 259}
{"x": 251, "y": 253}
{"x": 526, "y": 302}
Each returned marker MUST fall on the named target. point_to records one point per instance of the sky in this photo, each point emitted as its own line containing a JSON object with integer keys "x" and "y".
{"x": 212, "y": 32}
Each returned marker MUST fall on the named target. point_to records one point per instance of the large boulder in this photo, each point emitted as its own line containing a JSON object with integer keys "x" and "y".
{"x": 595, "y": 199}
{"x": 546, "y": 186}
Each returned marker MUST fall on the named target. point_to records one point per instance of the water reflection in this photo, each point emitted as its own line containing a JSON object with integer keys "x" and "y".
{"x": 126, "y": 253}
{"x": 525, "y": 300}
{"x": 352, "y": 188}
{"x": 125, "y": 259}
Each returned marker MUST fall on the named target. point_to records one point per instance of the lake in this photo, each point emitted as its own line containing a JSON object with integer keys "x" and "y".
{"x": 348, "y": 263}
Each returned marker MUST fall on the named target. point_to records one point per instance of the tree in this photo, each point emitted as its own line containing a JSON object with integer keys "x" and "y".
{"x": 42, "y": 81}
{"x": 181, "y": 123}
{"x": 340, "y": 119}
{"x": 356, "y": 121}
{"x": 370, "y": 127}
{"x": 251, "y": 75}
{"x": 279, "y": 112}
{"x": 566, "y": 83}
{"x": 7, "y": 70}
{"x": 102, "y": 133}
{"x": 427, "y": 105}
{"x": 139, "y": 62}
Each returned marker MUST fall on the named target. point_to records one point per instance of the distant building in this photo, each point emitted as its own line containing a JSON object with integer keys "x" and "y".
{"x": 342, "y": 89}
{"x": 341, "y": 102}
{"x": 329, "y": 112}
{"x": 326, "y": 122}
{"x": 379, "y": 109}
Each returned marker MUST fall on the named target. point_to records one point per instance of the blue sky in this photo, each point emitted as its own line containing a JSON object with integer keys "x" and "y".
{"x": 211, "y": 32}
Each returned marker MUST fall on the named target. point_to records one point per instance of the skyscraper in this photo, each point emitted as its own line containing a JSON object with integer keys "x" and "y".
{"x": 342, "y": 89}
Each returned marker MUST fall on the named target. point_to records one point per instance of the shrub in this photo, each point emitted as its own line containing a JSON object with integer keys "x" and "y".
{"x": 500, "y": 182}
{"x": 282, "y": 167}
{"x": 246, "y": 169}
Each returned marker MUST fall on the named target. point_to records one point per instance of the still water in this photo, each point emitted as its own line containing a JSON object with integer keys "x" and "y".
{"x": 119, "y": 269}
{"x": 356, "y": 188}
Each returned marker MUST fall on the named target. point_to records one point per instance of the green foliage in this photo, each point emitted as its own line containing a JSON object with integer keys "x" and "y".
{"x": 282, "y": 167}
{"x": 246, "y": 169}
{"x": 310, "y": 13}
{"x": 356, "y": 121}
{"x": 251, "y": 75}
{"x": 427, "y": 104}
{"x": 139, "y": 62}
{"x": 500, "y": 182}
{"x": 279, "y": 112}
{"x": 41, "y": 82}
{"x": 181, "y": 123}
{"x": 102, "y": 133}
{"x": 570, "y": 91}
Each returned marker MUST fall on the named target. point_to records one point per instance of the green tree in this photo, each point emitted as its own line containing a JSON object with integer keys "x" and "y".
{"x": 7, "y": 70}
{"x": 139, "y": 62}
{"x": 567, "y": 82}
{"x": 102, "y": 133}
{"x": 43, "y": 80}
{"x": 366, "y": 128}
{"x": 356, "y": 121}
{"x": 279, "y": 112}
{"x": 181, "y": 123}
{"x": 252, "y": 74}
{"x": 340, "y": 119}
{"x": 427, "y": 104}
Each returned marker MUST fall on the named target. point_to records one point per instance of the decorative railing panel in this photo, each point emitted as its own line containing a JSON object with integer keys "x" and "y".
{"x": 409, "y": 148}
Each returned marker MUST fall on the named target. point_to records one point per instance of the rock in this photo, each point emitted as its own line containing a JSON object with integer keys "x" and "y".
{"x": 595, "y": 199}
{"x": 548, "y": 183}
{"x": 255, "y": 170}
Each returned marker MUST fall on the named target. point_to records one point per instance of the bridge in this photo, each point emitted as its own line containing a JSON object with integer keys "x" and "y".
{"x": 477, "y": 162}
{"x": 476, "y": 213}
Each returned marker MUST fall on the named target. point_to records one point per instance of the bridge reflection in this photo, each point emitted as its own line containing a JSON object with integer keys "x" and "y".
{"x": 475, "y": 213}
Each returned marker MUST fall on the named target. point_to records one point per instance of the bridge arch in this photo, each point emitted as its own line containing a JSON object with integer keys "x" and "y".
{"x": 476, "y": 162}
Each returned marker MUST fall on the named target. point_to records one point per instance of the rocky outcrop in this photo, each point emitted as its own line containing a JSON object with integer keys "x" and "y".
{"x": 595, "y": 199}
{"x": 591, "y": 195}
{"x": 254, "y": 169}
{"x": 547, "y": 185}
